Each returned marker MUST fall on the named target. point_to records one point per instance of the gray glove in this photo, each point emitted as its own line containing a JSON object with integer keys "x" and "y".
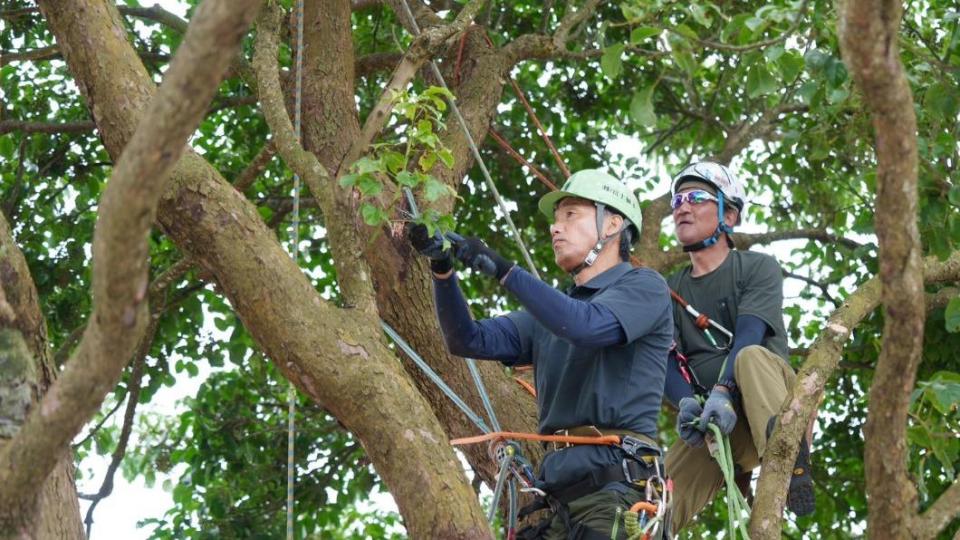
{"x": 688, "y": 422}
{"x": 719, "y": 410}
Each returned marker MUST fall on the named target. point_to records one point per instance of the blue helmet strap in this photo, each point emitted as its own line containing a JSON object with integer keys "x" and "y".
{"x": 722, "y": 227}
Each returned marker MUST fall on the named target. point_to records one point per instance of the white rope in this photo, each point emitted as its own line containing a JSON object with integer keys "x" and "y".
{"x": 295, "y": 249}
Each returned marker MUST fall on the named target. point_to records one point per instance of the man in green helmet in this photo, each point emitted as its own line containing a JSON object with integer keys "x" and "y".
{"x": 598, "y": 351}
{"x": 732, "y": 373}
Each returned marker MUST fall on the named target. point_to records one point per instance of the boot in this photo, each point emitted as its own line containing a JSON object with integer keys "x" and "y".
{"x": 800, "y": 497}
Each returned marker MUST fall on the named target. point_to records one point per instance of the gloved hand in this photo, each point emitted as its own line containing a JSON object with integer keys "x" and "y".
{"x": 441, "y": 260}
{"x": 475, "y": 254}
{"x": 719, "y": 409}
{"x": 687, "y": 419}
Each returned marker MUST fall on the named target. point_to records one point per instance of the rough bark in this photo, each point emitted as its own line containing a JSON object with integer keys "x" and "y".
{"x": 120, "y": 254}
{"x": 23, "y": 337}
{"x": 868, "y": 32}
{"x": 334, "y": 356}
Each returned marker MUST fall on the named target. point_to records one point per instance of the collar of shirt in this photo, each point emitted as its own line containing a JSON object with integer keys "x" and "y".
{"x": 603, "y": 280}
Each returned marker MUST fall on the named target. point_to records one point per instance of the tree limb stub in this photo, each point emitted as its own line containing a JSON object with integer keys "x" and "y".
{"x": 800, "y": 407}
{"x": 868, "y": 41}
{"x": 120, "y": 249}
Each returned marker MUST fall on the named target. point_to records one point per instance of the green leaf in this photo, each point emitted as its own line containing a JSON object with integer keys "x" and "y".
{"x": 641, "y": 107}
{"x": 372, "y": 215}
{"x": 760, "y": 82}
{"x": 394, "y": 161}
{"x": 773, "y": 53}
{"x": 424, "y": 127}
{"x": 686, "y": 31}
{"x": 367, "y": 164}
{"x": 427, "y": 160}
{"x": 700, "y": 15}
{"x": 954, "y": 195}
{"x": 685, "y": 61}
{"x": 434, "y": 189}
{"x": 952, "y": 315}
{"x": 941, "y": 99}
{"x": 406, "y": 178}
{"x": 753, "y": 23}
{"x": 790, "y": 64}
{"x": 369, "y": 186}
{"x": 643, "y": 32}
{"x": 610, "y": 62}
{"x": 446, "y": 156}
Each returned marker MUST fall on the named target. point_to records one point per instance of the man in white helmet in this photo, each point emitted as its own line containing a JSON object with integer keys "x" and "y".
{"x": 743, "y": 377}
{"x": 599, "y": 350}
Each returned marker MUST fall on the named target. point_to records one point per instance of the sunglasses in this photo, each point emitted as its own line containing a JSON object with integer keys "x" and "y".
{"x": 696, "y": 196}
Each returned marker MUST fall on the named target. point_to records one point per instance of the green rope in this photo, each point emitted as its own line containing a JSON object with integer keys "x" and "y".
{"x": 738, "y": 511}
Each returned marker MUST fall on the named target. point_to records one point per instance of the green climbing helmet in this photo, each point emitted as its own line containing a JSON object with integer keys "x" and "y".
{"x": 599, "y": 187}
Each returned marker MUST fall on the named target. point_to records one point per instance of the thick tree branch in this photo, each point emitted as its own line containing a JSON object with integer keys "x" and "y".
{"x": 120, "y": 249}
{"x": 571, "y": 21}
{"x": 869, "y": 42}
{"x": 928, "y": 525}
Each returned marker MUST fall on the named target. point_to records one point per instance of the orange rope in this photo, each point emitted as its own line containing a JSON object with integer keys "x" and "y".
{"x": 526, "y": 105}
{"x": 609, "y": 440}
{"x": 516, "y": 155}
{"x": 526, "y": 386}
{"x": 644, "y": 506}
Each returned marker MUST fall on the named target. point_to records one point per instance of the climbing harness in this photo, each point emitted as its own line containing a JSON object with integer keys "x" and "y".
{"x": 704, "y": 323}
{"x": 295, "y": 252}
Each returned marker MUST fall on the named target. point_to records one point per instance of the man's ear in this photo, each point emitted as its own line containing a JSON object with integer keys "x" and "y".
{"x": 730, "y": 216}
{"x": 613, "y": 224}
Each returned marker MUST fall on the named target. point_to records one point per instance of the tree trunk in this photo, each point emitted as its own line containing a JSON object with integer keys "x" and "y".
{"x": 25, "y": 373}
{"x": 869, "y": 33}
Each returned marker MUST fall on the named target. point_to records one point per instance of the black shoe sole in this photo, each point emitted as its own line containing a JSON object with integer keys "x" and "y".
{"x": 801, "y": 499}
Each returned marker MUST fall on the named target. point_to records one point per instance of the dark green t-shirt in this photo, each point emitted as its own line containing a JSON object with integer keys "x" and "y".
{"x": 746, "y": 283}
{"x": 612, "y": 387}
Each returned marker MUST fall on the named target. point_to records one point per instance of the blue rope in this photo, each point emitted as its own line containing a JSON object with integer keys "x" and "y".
{"x": 475, "y": 373}
{"x": 432, "y": 375}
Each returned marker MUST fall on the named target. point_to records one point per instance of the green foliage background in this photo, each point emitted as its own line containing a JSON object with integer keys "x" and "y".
{"x": 680, "y": 79}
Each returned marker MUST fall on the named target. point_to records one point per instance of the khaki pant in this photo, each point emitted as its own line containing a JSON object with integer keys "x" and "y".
{"x": 764, "y": 380}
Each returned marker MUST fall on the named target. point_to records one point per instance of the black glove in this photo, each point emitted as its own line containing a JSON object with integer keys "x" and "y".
{"x": 687, "y": 422}
{"x": 475, "y": 254}
{"x": 431, "y": 247}
{"x": 719, "y": 410}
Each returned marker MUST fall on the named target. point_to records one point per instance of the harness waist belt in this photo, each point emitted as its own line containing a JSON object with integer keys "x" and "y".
{"x": 629, "y": 470}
